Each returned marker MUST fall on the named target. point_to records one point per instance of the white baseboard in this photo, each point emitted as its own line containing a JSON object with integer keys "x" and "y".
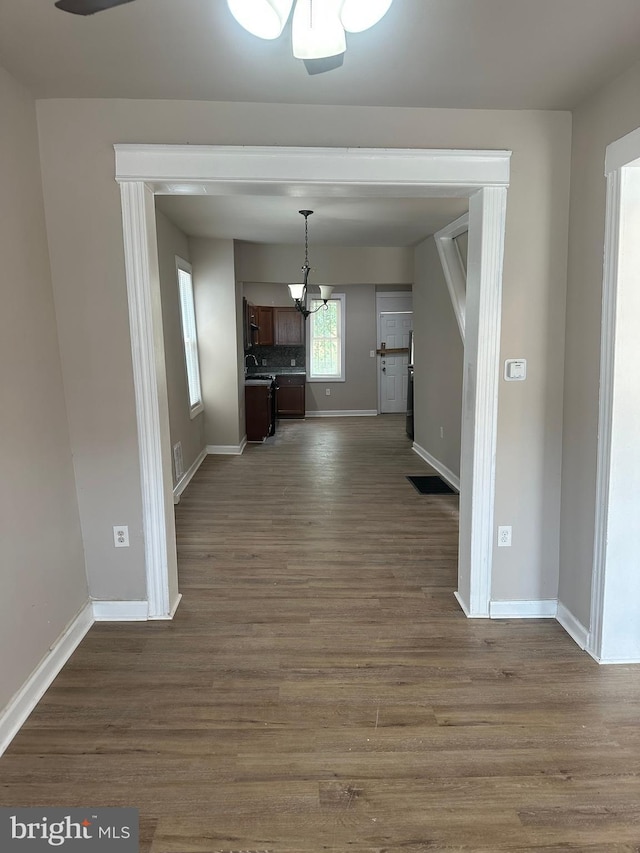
{"x": 186, "y": 478}
{"x": 445, "y": 473}
{"x": 120, "y": 611}
{"x": 574, "y": 628}
{"x": 462, "y": 604}
{"x": 343, "y": 413}
{"x": 25, "y": 700}
{"x": 543, "y": 609}
{"x": 172, "y": 612}
{"x": 227, "y": 449}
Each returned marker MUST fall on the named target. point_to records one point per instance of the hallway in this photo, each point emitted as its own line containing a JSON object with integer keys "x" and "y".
{"x": 320, "y": 689}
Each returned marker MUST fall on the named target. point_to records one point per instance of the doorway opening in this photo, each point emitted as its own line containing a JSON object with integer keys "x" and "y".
{"x": 480, "y": 176}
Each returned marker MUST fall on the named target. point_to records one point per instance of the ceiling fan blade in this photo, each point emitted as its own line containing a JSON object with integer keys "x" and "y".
{"x": 88, "y": 7}
{"x": 328, "y": 63}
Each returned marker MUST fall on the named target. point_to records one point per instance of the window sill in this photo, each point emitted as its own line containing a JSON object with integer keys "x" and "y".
{"x": 326, "y": 379}
{"x": 196, "y": 410}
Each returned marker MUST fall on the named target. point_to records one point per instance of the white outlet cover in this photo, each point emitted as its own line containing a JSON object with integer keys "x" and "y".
{"x": 504, "y": 536}
{"x": 121, "y": 536}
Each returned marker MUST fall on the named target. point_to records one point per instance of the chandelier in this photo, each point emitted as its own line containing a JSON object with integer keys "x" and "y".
{"x": 318, "y": 27}
{"x": 299, "y": 291}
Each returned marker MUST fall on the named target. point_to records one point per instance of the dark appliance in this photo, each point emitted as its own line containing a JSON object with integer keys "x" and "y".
{"x": 410, "y": 389}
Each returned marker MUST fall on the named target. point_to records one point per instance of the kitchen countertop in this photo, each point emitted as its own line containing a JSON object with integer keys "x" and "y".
{"x": 279, "y": 371}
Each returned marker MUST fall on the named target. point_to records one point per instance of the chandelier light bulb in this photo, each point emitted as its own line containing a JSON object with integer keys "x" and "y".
{"x": 262, "y": 18}
{"x": 317, "y": 31}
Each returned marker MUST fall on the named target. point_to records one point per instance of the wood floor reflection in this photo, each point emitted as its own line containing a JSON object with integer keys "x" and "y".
{"x": 319, "y": 688}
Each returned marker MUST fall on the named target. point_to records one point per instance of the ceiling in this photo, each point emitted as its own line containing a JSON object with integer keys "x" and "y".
{"x": 335, "y": 222}
{"x": 512, "y": 54}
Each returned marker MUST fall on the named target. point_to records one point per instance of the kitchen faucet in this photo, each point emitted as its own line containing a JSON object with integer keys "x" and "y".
{"x": 246, "y": 366}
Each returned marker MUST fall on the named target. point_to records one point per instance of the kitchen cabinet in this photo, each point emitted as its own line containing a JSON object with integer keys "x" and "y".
{"x": 264, "y": 320}
{"x": 289, "y": 327}
{"x": 249, "y": 325}
{"x": 290, "y": 395}
{"x": 259, "y": 406}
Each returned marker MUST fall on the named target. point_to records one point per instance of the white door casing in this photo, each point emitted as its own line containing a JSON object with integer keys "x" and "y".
{"x": 481, "y": 176}
{"x": 395, "y": 328}
{"x": 614, "y": 635}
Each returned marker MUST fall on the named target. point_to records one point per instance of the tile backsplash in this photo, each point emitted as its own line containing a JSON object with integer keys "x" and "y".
{"x": 279, "y": 356}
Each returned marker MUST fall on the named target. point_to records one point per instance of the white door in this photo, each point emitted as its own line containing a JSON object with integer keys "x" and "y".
{"x": 394, "y": 334}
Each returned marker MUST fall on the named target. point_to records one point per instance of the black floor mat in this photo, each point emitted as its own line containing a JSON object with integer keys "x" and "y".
{"x": 431, "y": 486}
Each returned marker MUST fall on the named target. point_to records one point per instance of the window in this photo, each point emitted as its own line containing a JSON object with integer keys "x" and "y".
{"x": 325, "y": 357}
{"x": 189, "y": 336}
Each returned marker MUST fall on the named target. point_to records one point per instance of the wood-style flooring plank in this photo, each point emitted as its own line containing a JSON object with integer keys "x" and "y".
{"x": 320, "y": 690}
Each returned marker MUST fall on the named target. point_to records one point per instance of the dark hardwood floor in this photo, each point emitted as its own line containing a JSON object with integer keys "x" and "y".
{"x": 320, "y": 690}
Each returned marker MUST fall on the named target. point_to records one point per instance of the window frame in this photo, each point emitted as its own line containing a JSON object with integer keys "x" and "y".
{"x": 335, "y": 297}
{"x": 185, "y": 267}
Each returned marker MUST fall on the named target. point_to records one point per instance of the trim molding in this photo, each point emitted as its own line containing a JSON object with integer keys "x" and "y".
{"x": 120, "y": 611}
{"x": 462, "y": 604}
{"x": 186, "y": 478}
{"x": 343, "y": 413}
{"x": 226, "y": 449}
{"x": 25, "y": 700}
{"x": 161, "y": 166}
{"x": 574, "y": 628}
{"x": 605, "y": 413}
{"x": 442, "y": 469}
{"x": 487, "y": 218}
{"x": 452, "y": 266}
{"x": 622, "y": 152}
{"x": 140, "y": 252}
{"x": 529, "y": 609}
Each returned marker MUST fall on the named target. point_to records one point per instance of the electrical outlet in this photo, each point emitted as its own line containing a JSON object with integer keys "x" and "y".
{"x": 441, "y": 432}
{"x": 293, "y": 362}
{"x": 121, "y": 536}
{"x": 264, "y": 362}
{"x": 504, "y": 536}
{"x": 372, "y": 353}
{"x": 327, "y": 391}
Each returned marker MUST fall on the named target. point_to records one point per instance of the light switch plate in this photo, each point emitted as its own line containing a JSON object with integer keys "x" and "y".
{"x": 515, "y": 369}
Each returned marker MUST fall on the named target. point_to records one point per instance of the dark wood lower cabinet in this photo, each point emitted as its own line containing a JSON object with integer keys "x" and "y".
{"x": 259, "y": 411}
{"x": 290, "y": 396}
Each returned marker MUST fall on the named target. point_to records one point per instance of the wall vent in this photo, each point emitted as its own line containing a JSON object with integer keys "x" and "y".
{"x": 178, "y": 464}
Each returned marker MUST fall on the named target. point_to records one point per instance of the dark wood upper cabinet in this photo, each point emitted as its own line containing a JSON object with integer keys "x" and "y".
{"x": 289, "y": 327}
{"x": 264, "y": 320}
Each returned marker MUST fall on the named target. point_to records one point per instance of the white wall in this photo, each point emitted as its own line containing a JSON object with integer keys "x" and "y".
{"x": 605, "y": 117}
{"x": 219, "y": 345}
{"x": 43, "y": 574}
{"x": 439, "y": 357}
{"x": 188, "y": 431}
{"x": 85, "y": 235}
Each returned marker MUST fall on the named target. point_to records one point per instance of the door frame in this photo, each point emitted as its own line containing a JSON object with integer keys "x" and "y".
{"x": 614, "y": 634}
{"x": 482, "y": 176}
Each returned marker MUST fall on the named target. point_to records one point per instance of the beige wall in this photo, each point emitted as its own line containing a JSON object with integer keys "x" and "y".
{"x": 43, "y": 576}
{"x": 84, "y": 226}
{"x": 189, "y": 431}
{"x": 217, "y": 310}
{"x": 438, "y": 361}
{"x": 605, "y": 117}
{"x": 330, "y": 264}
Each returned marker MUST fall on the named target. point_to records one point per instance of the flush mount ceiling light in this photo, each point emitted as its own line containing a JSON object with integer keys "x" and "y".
{"x": 299, "y": 291}
{"x": 318, "y": 28}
